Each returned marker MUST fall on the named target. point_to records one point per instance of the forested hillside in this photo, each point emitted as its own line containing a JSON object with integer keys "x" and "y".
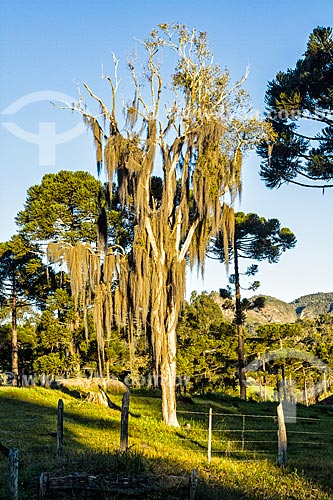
{"x": 310, "y": 306}
{"x": 273, "y": 310}
{"x": 277, "y": 311}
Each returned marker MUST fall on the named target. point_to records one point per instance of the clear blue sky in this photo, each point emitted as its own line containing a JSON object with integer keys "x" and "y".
{"x": 48, "y": 47}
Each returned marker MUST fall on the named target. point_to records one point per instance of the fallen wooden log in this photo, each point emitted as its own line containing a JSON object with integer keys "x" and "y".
{"x": 129, "y": 486}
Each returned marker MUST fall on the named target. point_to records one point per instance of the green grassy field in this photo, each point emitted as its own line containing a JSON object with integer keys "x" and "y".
{"x": 241, "y": 470}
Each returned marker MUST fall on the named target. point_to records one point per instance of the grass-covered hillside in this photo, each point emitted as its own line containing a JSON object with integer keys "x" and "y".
{"x": 243, "y": 465}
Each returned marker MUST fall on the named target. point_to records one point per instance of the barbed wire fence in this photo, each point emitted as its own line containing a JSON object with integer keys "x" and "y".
{"x": 250, "y": 436}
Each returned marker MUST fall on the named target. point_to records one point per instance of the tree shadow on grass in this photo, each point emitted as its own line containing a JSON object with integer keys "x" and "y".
{"x": 28, "y": 422}
{"x": 102, "y": 396}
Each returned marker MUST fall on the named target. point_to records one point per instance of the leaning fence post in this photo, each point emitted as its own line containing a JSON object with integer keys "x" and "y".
{"x": 60, "y": 426}
{"x": 124, "y": 421}
{"x": 13, "y": 458}
{"x": 210, "y": 425}
{"x": 282, "y": 437}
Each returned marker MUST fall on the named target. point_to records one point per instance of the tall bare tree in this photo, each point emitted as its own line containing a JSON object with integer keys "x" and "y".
{"x": 200, "y": 130}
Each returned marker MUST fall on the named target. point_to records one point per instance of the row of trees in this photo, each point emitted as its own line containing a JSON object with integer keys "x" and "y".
{"x": 61, "y": 210}
{"x": 65, "y": 208}
{"x": 131, "y": 273}
{"x": 281, "y": 359}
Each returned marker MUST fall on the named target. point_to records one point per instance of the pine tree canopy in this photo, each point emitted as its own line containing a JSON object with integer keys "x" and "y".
{"x": 63, "y": 207}
{"x": 300, "y": 110}
{"x": 256, "y": 238}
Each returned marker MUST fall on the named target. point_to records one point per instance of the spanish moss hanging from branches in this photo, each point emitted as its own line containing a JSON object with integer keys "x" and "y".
{"x": 198, "y": 133}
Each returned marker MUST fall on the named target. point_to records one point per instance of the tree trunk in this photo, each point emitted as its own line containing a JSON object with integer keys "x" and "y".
{"x": 284, "y": 382}
{"x": 324, "y": 383}
{"x": 241, "y": 367}
{"x": 168, "y": 376}
{"x": 100, "y": 361}
{"x": 305, "y": 388}
{"x": 264, "y": 378}
{"x": 15, "y": 367}
{"x": 169, "y": 372}
{"x": 240, "y": 334}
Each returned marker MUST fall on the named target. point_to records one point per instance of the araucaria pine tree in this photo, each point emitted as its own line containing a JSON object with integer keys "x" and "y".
{"x": 258, "y": 239}
{"x": 195, "y": 128}
{"x": 300, "y": 110}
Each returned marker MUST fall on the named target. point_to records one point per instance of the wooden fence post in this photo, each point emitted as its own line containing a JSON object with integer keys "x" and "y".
{"x": 12, "y": 454}
{"x": 60, "y": 426}
{"x": 282, "y": 437}
{"x": 43, "y": 480}
{"x": 13, "y": 472}
{"x": 243, "y": 433}
{"x": 193, "y": 483}
{"x": 124, "y": 421}
{"x": 210, "y": 425}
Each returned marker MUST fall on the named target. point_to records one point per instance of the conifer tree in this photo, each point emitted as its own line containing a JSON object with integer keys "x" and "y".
{"x": 258, "y": 239}
{"x": 300, "y": 110}
{"x": 23, "y": 280}
{"x": 64, "y": 207}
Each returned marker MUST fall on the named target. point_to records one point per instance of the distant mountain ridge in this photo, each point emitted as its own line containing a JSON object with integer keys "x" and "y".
{"x": 274, "y": 311}
{"x": 314, "y": 304}
{"x": 278, "y": 311}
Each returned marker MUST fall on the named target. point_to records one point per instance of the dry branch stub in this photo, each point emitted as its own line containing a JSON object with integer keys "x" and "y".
{"x": 90, "y": 388}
